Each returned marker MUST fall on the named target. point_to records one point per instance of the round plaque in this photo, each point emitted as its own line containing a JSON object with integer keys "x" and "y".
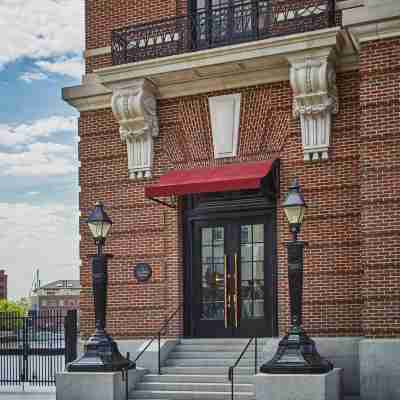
{"x": 142, "y": 272}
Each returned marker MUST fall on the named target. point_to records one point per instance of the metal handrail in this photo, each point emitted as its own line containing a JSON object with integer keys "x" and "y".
{"x": 158, "y": 337}
{"x": 232, "y": 368}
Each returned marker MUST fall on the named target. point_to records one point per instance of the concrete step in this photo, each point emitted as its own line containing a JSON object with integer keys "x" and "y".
{"x": 208, "y": 354}
{"x": 204, "y": 370}
{"x": 187, "y": 395}
{"x": 196, "y": 378}
{"x": 192, "y": 387}
{"x": 206, "y": 362}
{"x": 211, "y": 341}
{"x": 236, "y": 348}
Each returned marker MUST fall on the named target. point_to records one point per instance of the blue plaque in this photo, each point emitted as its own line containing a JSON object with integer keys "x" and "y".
{"x": 142, "y": 272}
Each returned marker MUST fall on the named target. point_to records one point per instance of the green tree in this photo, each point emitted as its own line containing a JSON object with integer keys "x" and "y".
{"x": 10, "y": 315}
{"x": 24, "y": 304}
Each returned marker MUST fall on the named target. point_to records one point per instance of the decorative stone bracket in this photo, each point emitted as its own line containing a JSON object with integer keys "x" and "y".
{"x": 313, "y": 80}
{"x": 135, "y": 108}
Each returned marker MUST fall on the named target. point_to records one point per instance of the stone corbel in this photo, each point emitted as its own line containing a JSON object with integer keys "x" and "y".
{"x": 313, "y": 80}
{"x": 135, "y": 108}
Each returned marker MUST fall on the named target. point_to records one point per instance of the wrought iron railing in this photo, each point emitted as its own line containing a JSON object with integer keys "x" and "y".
{"x": 158, "y": 337}
{"x": 33, "y": 348}
{"x": 231, "y": 371}
{"x": 220, "y": 26}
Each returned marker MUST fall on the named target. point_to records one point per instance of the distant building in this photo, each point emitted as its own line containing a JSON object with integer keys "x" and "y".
{"x": 61, "y": 295}
{"x": 3, "y": 284}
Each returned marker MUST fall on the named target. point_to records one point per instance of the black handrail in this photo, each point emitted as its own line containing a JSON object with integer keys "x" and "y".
{"x": 158, "y": 336}
{"x": 232, "y": 368}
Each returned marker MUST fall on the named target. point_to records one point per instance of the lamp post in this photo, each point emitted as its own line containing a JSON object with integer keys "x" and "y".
{"x": 101, "y": 352}
{"x": 297, "y": 353}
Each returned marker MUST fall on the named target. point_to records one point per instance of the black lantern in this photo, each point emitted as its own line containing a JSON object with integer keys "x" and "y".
{"x": 294, "y": 207}
{"x": 99, "y": 224}
{"x": 296, "y": 353}
{"x": 101, "y": 352}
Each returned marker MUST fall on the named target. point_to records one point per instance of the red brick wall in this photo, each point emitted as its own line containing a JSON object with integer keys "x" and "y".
{"x": 104, "y": 15}
{"x": 145, "y": 231}
{"x": 3, "y": 285}
{"x": 380, "y": 195}
{"x": 332, "y": 267}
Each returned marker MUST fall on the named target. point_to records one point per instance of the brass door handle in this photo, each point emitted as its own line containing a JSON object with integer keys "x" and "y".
{"x": 235, "y": 296}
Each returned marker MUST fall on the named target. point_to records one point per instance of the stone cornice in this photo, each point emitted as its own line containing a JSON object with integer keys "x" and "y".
{"x": 238, "y": 53}
{"x": 99, "y": 51}
{"x": 374, "y": 31}
{"x": 377, "y": 19}
{"x": 89, "y": 96}
{"x": 223, "y": 68}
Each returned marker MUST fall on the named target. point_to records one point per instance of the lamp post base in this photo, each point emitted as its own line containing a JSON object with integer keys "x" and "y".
{"x": 101, "y": 355}
{"x": 297, "y": 354}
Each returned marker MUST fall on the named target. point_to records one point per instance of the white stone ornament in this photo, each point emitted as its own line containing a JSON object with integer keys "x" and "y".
{"x": 135, "y": 108}
{"x": 313, "y": 80}
{"x": 225, "y": 121}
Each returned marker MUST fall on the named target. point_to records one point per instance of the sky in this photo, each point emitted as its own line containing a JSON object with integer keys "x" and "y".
{"x": 40, "y": 53}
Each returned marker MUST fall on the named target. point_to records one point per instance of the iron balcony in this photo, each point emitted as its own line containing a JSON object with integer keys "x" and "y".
{"x": 220, "y": 26}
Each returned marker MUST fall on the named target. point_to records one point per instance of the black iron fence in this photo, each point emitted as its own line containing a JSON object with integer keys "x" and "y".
{"x": 220, "y": 26}
{"x": 34, "y": 348}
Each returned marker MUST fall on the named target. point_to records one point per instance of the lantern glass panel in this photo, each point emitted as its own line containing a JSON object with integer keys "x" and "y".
{"x": 294, "y": 214}
{"x": 99, "y": 229}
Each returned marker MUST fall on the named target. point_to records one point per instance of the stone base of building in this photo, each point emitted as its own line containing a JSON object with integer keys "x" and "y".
{"x": 96, "y": 385}
{"x": 300, "y": 387}
{"x": 379, "y": 369}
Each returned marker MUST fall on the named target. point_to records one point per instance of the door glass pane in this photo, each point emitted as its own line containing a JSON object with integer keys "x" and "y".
{"x": 200, "y": 4}
{"x": 258, "y": 231}
{"x": 246, "y": 252}
{"x": 246, "y": 271}
{"x": 258, "y": 307}
{"x": 258, "y": 270}
{"x": 258, "y": 251}
{"x": 246, "y": 300}
{"x": 243, "y": 16}
{"x": 207, "y": 254}
{"x": 252, "y": 271}
{"x": 213, "y": 279}
{"x": 206, "y": 236}
{"x": 218, "y": 257}
{"x": 245, "y": 234}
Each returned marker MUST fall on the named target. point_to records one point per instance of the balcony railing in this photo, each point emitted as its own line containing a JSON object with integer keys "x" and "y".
{"x": 220, "y": 26}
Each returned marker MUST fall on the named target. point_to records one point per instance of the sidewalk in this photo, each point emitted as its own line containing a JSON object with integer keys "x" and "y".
{"x": 35, "y": 393}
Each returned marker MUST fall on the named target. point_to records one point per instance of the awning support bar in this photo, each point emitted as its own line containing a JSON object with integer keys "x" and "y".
{"x": 173, "y": 205}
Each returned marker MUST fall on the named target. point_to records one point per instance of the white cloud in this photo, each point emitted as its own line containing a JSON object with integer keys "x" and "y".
{"x": 40, "y": 28}
{"x": 63, "y": 66}
{"x": 11, "y": 135}
{"x": 44, "y": 237}
{"x": 39, "y": 160}
{"x": 31, "y": 76}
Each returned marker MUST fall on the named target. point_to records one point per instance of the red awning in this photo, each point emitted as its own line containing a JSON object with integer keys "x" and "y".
{"x": 228, "y": 177}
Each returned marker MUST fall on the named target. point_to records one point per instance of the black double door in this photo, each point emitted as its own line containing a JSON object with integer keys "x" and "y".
{"x": 232, "y": 277}
{"x": 218, "y": 22}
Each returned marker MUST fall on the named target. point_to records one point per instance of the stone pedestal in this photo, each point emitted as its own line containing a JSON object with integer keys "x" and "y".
{"x": 299, "y": 387}
{"x": 95, "y": 385}
{"x": 380, "y": 369}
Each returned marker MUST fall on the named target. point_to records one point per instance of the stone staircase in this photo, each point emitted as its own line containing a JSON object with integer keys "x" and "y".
{"x": 197, "y": 369}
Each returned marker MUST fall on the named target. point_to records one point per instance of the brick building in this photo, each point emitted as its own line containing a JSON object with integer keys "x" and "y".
{"x": 212, "y": 107}
{"x": 3, "y": 284}
{"x": 62, "y": 295}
